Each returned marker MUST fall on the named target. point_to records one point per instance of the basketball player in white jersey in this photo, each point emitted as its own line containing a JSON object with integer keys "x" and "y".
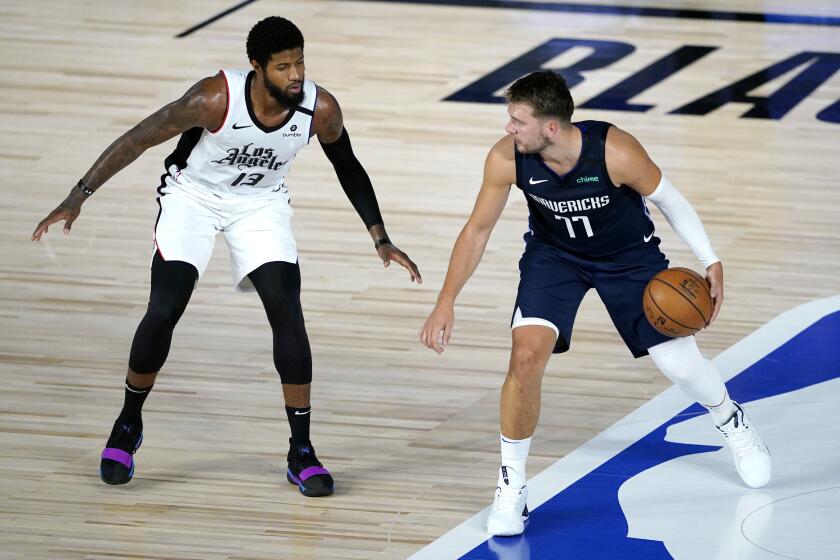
{"x": 240, "y": 131}
{"x": 585, "y": 183}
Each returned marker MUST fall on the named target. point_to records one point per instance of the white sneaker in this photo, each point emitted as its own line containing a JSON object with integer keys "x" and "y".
{"x": 510, "y": 511}
{"x": 752, "y": 459}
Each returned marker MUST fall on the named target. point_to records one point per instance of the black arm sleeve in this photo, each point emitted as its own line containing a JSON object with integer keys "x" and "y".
{"x": 354, "y": 179}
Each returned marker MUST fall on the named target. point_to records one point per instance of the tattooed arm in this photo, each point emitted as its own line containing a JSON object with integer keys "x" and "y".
{"x": 203, "y": 105}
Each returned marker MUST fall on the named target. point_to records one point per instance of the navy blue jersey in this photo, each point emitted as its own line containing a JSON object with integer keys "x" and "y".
{"x": 583, "y": 212}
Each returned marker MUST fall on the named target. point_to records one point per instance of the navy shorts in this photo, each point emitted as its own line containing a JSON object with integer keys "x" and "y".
{"x": 552, "y": 284}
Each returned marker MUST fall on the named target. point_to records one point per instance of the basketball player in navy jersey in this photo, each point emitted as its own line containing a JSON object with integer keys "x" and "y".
{"x": 586, "y": 185}
{"x": 239, "y": 130}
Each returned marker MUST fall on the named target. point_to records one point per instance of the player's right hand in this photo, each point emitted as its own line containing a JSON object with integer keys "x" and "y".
{"x": 68, "y": 211}
{"x": 714, "y": 276}
{"x": 438, "y": 327}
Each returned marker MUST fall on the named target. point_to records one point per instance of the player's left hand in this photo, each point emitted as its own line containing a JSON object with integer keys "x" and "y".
{"x": 68, "y": 210}
{"x": 389, "y": 252}
{"x": 714, "y": 276}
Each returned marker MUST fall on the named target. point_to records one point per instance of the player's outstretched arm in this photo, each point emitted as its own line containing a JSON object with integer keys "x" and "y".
{"x": 328, "y": 124}
{"x": 203, "y": 105}
{"x": 628, "y": 163}
{"x": 499, "y": 175}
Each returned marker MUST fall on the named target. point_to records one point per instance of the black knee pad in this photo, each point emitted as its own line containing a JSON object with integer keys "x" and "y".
{"x": 294, "y": 365}
{"x": 281, "y": 311}
{"x": 278, "y": 284}
{"x": 172, "y": 286}
{"x": 146, "y": 365}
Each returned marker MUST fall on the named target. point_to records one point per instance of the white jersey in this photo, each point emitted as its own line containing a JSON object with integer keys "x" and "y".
{"x": 242, "y": 156}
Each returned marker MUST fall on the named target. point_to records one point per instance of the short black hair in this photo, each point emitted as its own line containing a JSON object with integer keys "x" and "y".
{"x": 546, "y": 92}
{"x": 272, "y": 35}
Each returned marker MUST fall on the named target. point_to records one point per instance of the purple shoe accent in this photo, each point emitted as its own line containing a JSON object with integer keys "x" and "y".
{"x": 311, "y": 471}
{"x": 118, "y": 455}
{"x": 293, "y": 478}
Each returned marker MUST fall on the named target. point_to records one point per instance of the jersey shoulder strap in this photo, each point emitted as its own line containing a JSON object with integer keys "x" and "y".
{"x": 235, "y": 84}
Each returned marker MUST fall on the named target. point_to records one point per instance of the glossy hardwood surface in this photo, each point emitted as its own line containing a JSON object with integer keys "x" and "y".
{"x": 411, "y": 438}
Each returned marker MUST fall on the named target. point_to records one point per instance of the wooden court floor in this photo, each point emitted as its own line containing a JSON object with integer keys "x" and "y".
{"x": 412, "y": 438}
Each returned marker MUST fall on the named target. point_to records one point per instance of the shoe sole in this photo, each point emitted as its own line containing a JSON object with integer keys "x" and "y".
{"x": 525, "y": 526}
{"x": 130, "y": 472}
{"x": 308, "y": 492}
{"x": 526, "y": 515}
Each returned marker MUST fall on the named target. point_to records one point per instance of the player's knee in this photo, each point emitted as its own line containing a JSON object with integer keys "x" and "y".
{"x": 280, "y": 312}
{"x": 525, "y": 364}
{"x": 680, "y": 373}
{"x": 166, "y": 305}
{"x": 154, "y": 334}
{"x": 679, "y": 359}
{"x": 163, "y": 313}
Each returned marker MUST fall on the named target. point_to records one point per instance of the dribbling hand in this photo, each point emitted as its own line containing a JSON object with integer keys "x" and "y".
{"x": 714, "y": 276}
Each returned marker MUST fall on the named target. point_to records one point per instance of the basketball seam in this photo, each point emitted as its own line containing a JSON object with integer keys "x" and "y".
{"x": 653, "y": 301}
{"x": 663, "y": 312}
{"x": 703, "y": 282}
{"x": 702, "y": 315}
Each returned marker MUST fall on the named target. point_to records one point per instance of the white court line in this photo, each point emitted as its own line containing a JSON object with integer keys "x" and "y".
{"x": 605, "y": 445}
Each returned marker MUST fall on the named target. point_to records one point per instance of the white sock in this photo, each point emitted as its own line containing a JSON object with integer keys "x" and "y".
{"x": 515, "y": 453}
{"x": 722, "y": 412}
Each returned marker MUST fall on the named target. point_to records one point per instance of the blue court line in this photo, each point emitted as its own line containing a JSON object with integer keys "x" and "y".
{"x": 578, "y": 8}
{"x": 586, "y": 520}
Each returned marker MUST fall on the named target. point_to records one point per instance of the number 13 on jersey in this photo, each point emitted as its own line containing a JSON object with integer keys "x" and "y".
{"x": 253, "y": 179}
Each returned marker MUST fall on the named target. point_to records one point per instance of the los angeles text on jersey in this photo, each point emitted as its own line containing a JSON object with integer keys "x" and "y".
{"x": 258, "y": 157}
{"x": 579, "y": 205}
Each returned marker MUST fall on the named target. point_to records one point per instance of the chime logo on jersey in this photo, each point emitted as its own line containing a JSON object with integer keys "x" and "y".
{"x": 257, "y": 157}
{"x": 580, "y": 205}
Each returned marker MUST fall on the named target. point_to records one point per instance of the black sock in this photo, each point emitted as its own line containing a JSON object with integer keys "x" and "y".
{"x": 299, "y": 424}
{"x": 134, "y": 399}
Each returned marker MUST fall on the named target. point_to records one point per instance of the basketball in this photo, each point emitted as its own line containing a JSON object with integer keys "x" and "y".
{"x": 677, "y": 302}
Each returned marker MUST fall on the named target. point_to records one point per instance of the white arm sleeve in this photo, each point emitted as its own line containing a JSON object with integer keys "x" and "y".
{"x": 684, "y": 220}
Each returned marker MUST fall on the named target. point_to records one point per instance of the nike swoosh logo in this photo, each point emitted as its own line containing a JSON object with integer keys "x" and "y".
{"x": 299, "y": 413}
{"x": 647, "y": 237}
{"x": 243, "y": 126}
{"x": 532, "y": 182}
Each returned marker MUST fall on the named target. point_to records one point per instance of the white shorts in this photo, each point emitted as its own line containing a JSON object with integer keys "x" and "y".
{"x": 257, "y": 229}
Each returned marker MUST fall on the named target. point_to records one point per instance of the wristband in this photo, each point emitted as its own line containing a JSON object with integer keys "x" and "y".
{"x": 380, "y": 242}
{"x": 84, "y": 188}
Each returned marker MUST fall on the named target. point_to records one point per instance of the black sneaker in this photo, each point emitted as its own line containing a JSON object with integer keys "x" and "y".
{"x": 117, "y": 465}
{"x": 307, "y": 472}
